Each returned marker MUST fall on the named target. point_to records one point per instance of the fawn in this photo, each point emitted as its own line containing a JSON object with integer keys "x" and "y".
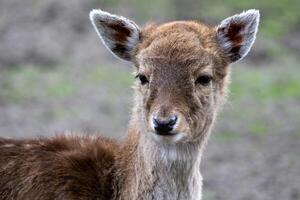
{"x": 182, "y": 74}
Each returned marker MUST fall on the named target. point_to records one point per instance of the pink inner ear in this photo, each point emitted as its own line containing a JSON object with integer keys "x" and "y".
{"x": 234, "y": 33}
{"x": 121, "y": 32}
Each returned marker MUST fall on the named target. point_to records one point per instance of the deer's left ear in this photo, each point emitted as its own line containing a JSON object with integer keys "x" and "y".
{"x": 119, "y": 35}
{"x": 236, "y": 34}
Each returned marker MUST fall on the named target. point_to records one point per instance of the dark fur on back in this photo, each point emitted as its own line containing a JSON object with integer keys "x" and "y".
{"x": 66, "y": 167}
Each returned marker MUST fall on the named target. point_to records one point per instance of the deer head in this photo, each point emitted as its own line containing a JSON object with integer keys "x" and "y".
{"x": 181, "y": 69}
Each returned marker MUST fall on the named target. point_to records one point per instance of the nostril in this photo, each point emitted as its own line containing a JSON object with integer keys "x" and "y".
{"x": 156, "y": 122}
{"x": 173, "y": 121}
{"x": 164, "y": 127}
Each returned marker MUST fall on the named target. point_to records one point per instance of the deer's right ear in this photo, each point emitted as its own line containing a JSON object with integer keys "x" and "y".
{"x": 119, "y": 35}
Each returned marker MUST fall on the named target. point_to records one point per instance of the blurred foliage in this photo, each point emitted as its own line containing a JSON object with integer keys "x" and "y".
{"x": 23, "y": 23}
{"x": 278, "y": 82}
{"x": 108, "y": 75}
{"x": 278, "y": 17}
{"x": 29, "y": 83}
{"x": 259, "y": 128}
{"x": 25, "y": 84}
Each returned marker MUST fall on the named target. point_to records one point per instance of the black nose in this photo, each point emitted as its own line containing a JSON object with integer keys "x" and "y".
{"x": 164, "y": 127}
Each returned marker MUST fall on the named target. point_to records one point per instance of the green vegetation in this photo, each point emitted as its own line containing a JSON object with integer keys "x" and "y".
{"x": 24, "y": 84}
{"x": 29, "y": 83}
{"x": 259, "y": 128}
{"x": 262, "y": 101}
{"x": 274, "y": 83}
{"x": 279, "y": 17}
{"x": 112, "y": 76}
{"x": 227, "y": 136}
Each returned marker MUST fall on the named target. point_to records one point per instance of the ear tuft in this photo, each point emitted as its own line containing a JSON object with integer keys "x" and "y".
{"x": 119, "y": 35}
{"x": 237, "y": 34}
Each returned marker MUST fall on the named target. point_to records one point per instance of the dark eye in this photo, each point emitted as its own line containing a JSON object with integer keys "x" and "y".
{"x": 204, "y": 80}
{"x": 142, "y": 78}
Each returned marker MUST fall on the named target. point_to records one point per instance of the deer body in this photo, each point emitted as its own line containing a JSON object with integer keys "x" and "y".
{"x": 181, "y": 80}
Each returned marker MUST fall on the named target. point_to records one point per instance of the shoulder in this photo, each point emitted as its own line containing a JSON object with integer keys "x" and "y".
{"x": 72, "y": 166}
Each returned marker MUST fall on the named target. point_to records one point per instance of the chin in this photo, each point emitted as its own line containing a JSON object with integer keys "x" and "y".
{"x": 168, "y": 139}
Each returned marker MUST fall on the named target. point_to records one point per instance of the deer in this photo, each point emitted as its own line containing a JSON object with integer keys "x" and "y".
{"x": 182, "y": 73}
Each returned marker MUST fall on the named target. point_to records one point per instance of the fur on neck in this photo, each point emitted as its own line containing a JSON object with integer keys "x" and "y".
{"x": 151, "y": 170}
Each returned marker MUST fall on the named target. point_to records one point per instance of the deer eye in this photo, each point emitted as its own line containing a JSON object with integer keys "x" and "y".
{"x": 143, "y": 79}
{"x": 204, "y": 80}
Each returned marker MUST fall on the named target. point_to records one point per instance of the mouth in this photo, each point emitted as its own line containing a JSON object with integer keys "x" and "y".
{"x": 166, "y": 134}
{"x": 169, "y": 137}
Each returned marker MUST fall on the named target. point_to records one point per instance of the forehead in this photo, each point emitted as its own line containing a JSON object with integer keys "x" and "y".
{"x": 179, "y": 68}
{"x": 177, "y": 45}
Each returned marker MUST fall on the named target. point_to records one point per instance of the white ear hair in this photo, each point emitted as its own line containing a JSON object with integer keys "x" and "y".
{"x": 237, "y": 34}
{"x": 119, "y": 35}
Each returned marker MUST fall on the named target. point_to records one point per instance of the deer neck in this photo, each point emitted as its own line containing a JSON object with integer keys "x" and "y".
{"x": 149, "y": 170}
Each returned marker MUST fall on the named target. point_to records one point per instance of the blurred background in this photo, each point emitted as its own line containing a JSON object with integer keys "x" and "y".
{"x": 55, "y": 75}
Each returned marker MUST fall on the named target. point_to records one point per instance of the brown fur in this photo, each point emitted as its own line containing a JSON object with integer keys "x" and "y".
{"x": 171, "y": 56}
{"x": 61, "y": 168}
